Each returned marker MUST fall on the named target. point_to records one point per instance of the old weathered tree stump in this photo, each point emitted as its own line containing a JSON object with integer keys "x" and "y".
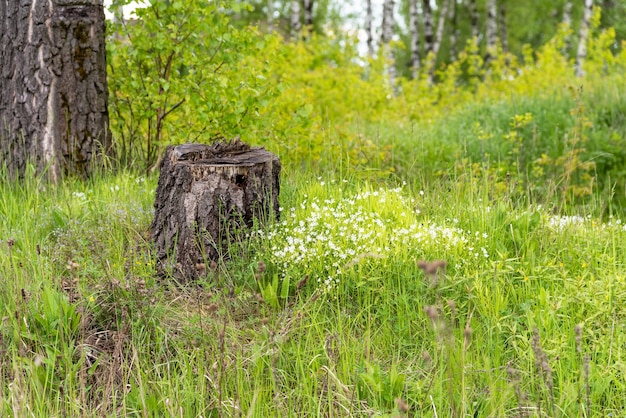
{"x": 207, "y": 195}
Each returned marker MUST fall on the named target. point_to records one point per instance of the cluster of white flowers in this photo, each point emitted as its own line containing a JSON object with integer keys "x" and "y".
{"x": 561, "y": 222}
{"x": 330, "y": 237}
{"x": 80, "y": 196}
{"x": 616, "y": 223}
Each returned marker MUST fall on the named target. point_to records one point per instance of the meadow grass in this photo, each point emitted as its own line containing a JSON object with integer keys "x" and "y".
{"x": 524, "y": 318}
{"x": 431, "y": 274}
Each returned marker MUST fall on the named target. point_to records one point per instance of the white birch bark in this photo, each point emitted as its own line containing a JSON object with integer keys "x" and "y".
{"x": 296, "y": 24}
{"x": 492, "y": 24}
{"x": 387, "y": 35}
{"x": 491, "y": 29}
{"x": 441, "y": 23}
{"x": 428, "y": 27}
{"x": 454, "y": 32}
{"x": 583, "y": 34}
{"x": 567, "y": 13}
{"x": 415, "y": 38}
{"x": 475, "y": 21}
{"x": 308, "y": 17}
{"x": 504, "y": 33}
{"x": 567, "y": 21}
{"x": 368, "y": 27}
{"x": 270, "y": 16}
{"x": 53, "y": 87}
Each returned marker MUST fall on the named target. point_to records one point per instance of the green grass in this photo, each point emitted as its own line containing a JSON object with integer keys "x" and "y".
{"x": 89, "y": 330}
{"x": 433, "y": 272}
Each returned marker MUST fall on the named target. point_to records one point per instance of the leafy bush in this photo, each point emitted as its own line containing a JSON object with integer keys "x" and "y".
{"x": 180, "y": 73}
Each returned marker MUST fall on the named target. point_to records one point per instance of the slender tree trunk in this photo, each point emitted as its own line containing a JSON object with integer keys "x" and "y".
{"x": 567, "y": 13}
{"x": 308, "y": 17}
{"x": 473, "y": 7}
{"x": 428, "y": 27}
{"x": 504, "y": 33}
{"x": 583, "y": 34}
{"x": 368, "y": 27}
{"x": 567, "y": 21}
{"x": 454, "y": 31}
{"x": 387, "y": 35}
{"x": 53, "y": 87}
{"x": 415, "y": 37}
{"x": 441, "y": 23}
{"x": 491, "y": 30}
{"x": 296, "y": 24}
{"x": 270, "y": 16}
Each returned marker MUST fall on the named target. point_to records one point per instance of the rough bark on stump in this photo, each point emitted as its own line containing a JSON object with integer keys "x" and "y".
{"x": 205, "y": 195}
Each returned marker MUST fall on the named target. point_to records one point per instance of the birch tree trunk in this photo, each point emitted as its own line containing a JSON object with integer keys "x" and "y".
{"x": 454, "y": 32}
{"x": 368, "y": 27}
{"x": 441, "y": 23}
{"x": 583, "y": 34}
{"x": 308, "y": 17}
{"x": 567, "y": 13}
{"x": 473, "y": 7}
{"x": 270, "y": 16}
{"x": 53, "y": 87}
{"x": 415, "y": 38}
{"x": 567, "y": 21}
{"x": 295, "y": 23}
{"x": 491, "y": 30}
{"x": 504, "y": 33}
{"x": 428, "y": 27}
{"x": 387, "y": 35}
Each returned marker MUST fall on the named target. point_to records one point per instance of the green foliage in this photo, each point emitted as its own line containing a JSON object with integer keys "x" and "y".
{"x": 180, "y": 72}
{"x": 87, "y": 330}
{"x": 379, "y": 388}
{"x": 312, "y": 102}
{"x": 451, "y": 248}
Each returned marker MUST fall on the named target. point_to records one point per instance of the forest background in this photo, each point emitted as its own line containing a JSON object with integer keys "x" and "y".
{"x": 451, "y": 242}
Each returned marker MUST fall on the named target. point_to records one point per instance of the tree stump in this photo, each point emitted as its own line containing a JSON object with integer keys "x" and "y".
{"x": 207, "y": 196}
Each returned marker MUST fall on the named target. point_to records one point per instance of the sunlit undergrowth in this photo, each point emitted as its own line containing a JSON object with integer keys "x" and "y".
{"x": 444, "y": 298}
{"x": 528, "y": 120}
{"x": 455, "y": 249}
{"x": 343, "y": 237}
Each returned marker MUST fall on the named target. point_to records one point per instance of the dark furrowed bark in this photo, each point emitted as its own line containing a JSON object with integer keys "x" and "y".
{"x": 53, "y": 88}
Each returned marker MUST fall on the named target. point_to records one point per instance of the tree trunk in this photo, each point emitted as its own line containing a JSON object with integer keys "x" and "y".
{"x": 296, "y": 24}
{"x": 387, "y": 36}
{"x": 491, "y": 30}
{"x": 567, "y": 14}
{"x": 583, "y": 34}
{"x": 308, "y": 17}
{"x": 414, "y": 30}
{"x": 53, "y": 87}
{"x": 368, "y": 27}
{"x": 441, "y": 23}
{"x": 428, "y": 27}
{"x": 454, "y": 31}
{"x": 567, "y": 21}
{"x": 504, "y": 33}
{"x": 473, "y": 7}
{"x": 270, "y": 16}
{"x": 207, "y": 196}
